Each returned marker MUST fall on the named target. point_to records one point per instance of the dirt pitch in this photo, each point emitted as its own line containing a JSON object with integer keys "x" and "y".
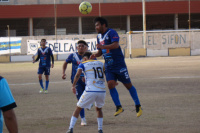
{"x": 168, "y": 88}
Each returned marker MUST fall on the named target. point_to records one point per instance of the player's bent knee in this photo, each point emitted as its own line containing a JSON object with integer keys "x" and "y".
{"x": 111, "y": 84}
{"x": 128, "y": 85}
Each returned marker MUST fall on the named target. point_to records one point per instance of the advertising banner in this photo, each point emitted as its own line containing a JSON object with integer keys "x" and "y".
{"x": 60, "y": 46}
{"x": 10, "y": 45}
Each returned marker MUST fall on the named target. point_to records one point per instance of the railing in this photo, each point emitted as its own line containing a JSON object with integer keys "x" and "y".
{"x": 35, "y": 2}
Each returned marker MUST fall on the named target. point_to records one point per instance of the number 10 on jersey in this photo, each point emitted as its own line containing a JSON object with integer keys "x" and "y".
{"x": 98, "y": 72}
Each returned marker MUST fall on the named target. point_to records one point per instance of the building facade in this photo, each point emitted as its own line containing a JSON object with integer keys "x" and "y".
{"x": 44, "y": 17}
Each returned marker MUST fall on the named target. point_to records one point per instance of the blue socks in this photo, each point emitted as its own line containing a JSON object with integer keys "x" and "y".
{"x": 134, "y": 95}
{"x": 47, "y": 84}
{"x": 41, "y": 84}
{"x": 115, "y": 96}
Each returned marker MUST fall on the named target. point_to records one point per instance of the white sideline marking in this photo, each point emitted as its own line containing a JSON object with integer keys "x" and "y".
{"x": 177, "y": 77}
{"x": 38, "y": 83}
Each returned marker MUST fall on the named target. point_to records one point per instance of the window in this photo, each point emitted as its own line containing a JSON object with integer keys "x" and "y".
{"x": 61, "y": 31}
{"x": 38, "y": 32}
{"x": 12, "y": 33}
{"x": 4, "y": 0}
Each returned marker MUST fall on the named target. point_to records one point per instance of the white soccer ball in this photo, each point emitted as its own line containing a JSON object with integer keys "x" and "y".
{"x": 85, "y": 7}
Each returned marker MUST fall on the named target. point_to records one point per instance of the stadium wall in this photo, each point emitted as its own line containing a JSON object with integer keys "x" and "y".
{"x": 158, "y": 44}
{"x": 165, "y": 43}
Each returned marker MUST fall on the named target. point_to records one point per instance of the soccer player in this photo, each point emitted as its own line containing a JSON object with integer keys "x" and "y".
{"x": 7, "y": 105}
{"x": 46, "y": 56}
{"x": 115, "y": 66}
{"x": 76, "y": 58}
{"x": 94, "y": 91}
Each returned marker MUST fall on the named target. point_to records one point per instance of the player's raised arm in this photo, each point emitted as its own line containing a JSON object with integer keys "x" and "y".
{"x": 76, "y": 78}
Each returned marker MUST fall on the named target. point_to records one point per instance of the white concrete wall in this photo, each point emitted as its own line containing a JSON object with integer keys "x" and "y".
{"x": 20, "y": 58}
{"x": 195, "y": 52}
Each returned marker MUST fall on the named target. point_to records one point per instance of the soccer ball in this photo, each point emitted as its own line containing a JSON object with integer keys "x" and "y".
{"x": 85, "y": 7}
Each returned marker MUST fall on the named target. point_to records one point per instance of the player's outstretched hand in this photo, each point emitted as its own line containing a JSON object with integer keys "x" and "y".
{"x": 33, "y": 59}
{"x": 64, "y": 76}
{"x": 92, "y": 56}
{"x": 74, "y": 90}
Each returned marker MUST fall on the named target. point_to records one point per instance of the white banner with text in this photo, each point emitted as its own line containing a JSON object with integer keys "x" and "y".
{"x": 60, "y": 46}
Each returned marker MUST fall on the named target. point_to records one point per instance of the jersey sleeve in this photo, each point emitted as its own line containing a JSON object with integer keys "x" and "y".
{"x": 81, "y": 66}
{"x": 114, "y": 36}
{"x": 69, "y": 59}
{"x": 50, "y": 51}
{"x": 7, "y": 101}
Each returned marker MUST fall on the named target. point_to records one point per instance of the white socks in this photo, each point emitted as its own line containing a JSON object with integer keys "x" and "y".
{"x": 83, "y": 119}
{"x": 100, "y": 123}
{"x": 74, "y": 119}
{"x": 72, "y": 122}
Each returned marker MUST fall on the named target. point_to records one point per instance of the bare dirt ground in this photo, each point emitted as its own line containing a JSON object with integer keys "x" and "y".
{"x": 168, "y": 88}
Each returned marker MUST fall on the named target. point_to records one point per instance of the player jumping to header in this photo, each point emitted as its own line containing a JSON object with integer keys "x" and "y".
{"x": 115, "y": 66}
{"x": 94, "y": 91}
{"x": 45, "y": 55}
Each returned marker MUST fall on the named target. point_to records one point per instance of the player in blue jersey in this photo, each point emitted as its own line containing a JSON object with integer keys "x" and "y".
{"x": 46, "y": 56}
{"x": 76, "y": 58}
{"x": 94, "y": 90}
{"x": 7, "y": 103}
{"x": 115, "y": 66}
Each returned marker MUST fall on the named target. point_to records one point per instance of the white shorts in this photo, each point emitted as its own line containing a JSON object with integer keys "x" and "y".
{"x": 88, "y": 98}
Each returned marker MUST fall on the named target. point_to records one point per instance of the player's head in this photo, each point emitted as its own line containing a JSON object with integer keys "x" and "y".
{"x": 82, "y": 46}
{"x": 43, "y": 42}
{"x": 86, "y": 56}
{"x": 101, "y": 24}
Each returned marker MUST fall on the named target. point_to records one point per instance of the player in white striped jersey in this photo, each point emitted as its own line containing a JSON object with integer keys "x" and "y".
{"x": 94, "y": 91}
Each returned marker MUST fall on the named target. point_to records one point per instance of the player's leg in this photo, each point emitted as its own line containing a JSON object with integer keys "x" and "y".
{"x": 74, "y": 119}
{"x": 40, "y": 72}
{"x": 125, "y": 79}
{"x": 99, "y": 119}
{"x": 134, "y": 95}
{"x": 111, "y": 81}
{"x": 99, "y": 103}
{"x": 47, "y": 73}
{"x": 47, "y": 83}
{"x": 79, "y": 91}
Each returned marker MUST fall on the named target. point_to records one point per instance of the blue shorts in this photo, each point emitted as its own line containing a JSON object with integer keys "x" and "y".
{"x": 79, "y": 88}
{"x": 45, "y": 70}
{"x": 120, "y": 74}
